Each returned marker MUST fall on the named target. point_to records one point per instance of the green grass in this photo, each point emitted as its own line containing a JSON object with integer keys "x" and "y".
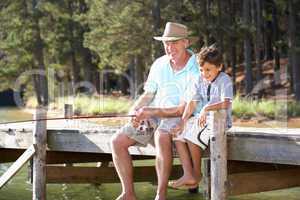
{"x": 242, "y": 108}
{"x": 88, "y": 104}
{"x": 102, "y": 104}
{"x": 245, "y": 108}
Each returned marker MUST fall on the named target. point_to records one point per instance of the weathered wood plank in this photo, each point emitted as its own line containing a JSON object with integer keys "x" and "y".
{"x": 218, "y": 154}
{"x": 15, "y": 167}
{"x": 239, "y": 172}
{"x": 39, "y": 160}
{"x": 253, "y": 182}
{"x": 60, "y": 174}
{"x": 268, "y": 150}
{"x": 59, "y": 157}
{"x": 246, "y": 144}
{"x": 234, "y": 167}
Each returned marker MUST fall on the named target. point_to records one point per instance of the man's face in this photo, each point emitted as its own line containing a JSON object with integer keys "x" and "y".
{"x": 209, "y": 71}
{"x": 175, "y": 49}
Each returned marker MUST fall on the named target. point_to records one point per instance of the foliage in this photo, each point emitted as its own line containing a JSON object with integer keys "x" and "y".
{"x": 80, "y": 38}
{"x": 119, "y": 31}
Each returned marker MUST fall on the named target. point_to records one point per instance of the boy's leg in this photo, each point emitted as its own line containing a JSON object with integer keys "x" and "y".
{"x": 186, "y": 161}
{"x": 196, "y": 154}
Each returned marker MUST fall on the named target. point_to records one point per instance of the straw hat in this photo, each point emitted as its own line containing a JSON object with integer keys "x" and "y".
{"x": 174, "y": 31}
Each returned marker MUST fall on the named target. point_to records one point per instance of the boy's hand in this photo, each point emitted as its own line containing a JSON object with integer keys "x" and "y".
{"x": 202, "y": 118}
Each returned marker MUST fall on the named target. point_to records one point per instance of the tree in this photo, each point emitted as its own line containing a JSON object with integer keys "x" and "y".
{"x": 23, "y": 44}
{"x": 247, "y": 47}
{"x": 294, "y": 44}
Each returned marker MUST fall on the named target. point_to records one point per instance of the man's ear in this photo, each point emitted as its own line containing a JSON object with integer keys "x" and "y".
{"x": 187, "y": 43}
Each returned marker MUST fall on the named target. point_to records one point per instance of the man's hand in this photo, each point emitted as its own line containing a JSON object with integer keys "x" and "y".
{"x": 143, "y": 113}
{"x": 177, "y": 130}
{"x": 135, "y": 122}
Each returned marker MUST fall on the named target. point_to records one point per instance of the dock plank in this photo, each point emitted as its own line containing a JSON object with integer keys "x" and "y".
{"x": 271, "y": 145}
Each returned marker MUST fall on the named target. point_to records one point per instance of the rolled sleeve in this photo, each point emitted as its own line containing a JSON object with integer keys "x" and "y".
{"x": 151, "y": 84}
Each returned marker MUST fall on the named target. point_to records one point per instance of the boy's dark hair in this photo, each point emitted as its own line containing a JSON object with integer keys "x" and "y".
{"x": 209, "y": 54}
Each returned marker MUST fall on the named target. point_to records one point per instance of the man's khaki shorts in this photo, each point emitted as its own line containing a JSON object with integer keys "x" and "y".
{"x": 143, "y": 134}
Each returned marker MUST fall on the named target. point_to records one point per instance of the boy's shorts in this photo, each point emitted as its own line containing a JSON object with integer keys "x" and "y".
{"x": 196, "y": 134}
{"x": 143, "y": 134}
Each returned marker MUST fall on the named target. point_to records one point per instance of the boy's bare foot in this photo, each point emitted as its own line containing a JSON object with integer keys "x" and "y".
{"x": 185, "y": 182}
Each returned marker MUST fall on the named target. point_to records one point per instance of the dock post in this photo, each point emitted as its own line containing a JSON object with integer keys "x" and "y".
{"x": 39, "y": 160}
{"x": 218, "y": 155}
{"x": 68, "y": 110}
{"x": 68, "y": 113}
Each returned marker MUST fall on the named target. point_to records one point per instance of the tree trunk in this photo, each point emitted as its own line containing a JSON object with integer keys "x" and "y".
{"x": 206, "y": 13}
{"x": 232, "y": 45}
{"x": 138, "y": 74}
{"x": 158, "y": 50}
{"x": 247, "y": 48}
{"x": 132, "y": 89}
{"x": 258, "y": 42}
{"x": 294, "y": 54}
{"x": 220, "y": 22}
{"x": 275, "y": 45}
{"x": 40, "y": 80}
{"x": 75, "y": 72}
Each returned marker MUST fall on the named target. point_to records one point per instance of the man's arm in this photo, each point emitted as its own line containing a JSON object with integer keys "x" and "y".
{"x": 144, "y": 100}
{"x": 148, "y": 111}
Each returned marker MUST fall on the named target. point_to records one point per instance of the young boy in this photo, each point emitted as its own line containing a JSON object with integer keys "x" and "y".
{"x": 213, "y": 91}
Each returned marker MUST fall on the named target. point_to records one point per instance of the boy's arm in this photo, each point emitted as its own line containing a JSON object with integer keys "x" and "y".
{"x": 188, "y": 111}
{"x": 219, "y": 105}
{"x": 210, "y": 107}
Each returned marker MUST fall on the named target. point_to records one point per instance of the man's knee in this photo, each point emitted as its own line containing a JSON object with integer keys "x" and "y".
{"x": 121, "y": 140}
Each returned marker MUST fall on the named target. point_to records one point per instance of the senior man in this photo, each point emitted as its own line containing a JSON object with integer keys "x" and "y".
{"x": 166, "y": 85}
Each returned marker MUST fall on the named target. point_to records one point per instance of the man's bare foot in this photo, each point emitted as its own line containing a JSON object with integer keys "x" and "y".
{"x": 126, "y": 197}
{"x": 159, "y": 197}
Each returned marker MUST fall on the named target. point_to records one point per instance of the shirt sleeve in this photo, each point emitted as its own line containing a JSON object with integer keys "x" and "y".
{"x": 227, "y": 89}
{"x": 151, "y": 84}
{"x": 192, "y": 91}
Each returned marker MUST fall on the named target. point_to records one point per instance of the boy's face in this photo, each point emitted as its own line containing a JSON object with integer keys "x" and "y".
{"x": 209, "y": 71}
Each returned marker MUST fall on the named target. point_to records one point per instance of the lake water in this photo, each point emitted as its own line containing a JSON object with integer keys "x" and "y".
{"x": 19, "y": 189}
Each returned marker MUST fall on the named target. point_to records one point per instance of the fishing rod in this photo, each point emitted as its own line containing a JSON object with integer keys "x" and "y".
{"x": 72, "y": 118}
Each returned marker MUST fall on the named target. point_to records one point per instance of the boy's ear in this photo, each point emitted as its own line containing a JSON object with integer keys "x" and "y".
{"x": 221, "y": 67}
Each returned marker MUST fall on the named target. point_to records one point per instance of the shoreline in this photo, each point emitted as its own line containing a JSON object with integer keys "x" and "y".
{"x": 252, "y": 122}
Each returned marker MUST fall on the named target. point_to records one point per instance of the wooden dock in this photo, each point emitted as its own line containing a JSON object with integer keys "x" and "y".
{"x": 258, "y": 159}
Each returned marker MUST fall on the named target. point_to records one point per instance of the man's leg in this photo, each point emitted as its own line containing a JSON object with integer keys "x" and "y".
{"x": 188, "y": 177}
{"x": 123, "y": 164}
{"x": 163, "y": 146}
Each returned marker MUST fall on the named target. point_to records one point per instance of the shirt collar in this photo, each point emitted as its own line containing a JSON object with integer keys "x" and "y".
{"x": 188, "y": 64}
